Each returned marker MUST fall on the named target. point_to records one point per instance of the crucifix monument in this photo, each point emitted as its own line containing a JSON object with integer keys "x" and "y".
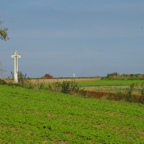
{"x": 15, "y": 66}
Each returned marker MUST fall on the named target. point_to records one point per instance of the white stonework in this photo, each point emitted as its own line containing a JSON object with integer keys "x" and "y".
{"x": 15, "y": 66}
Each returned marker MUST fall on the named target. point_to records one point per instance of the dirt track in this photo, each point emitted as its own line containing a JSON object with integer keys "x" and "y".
{"x": 55, "y": 80}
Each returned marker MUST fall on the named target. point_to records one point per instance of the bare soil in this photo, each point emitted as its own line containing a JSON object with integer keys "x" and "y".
{"x": 54, "y": 80}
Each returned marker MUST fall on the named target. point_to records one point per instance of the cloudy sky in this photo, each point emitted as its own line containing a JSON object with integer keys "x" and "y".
{"x": 62, "y": 37}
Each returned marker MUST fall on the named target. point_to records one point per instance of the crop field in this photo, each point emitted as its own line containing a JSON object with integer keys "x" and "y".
{"x": 113, "y": 89}
{"x": 53, "y": 80}
{"x": 109, "y": 82}
{"x": 111, "y": 85}
{"x": 41, "y": 116}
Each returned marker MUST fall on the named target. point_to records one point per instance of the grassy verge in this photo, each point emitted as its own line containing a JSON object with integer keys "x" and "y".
{"x": 42, "y": 116}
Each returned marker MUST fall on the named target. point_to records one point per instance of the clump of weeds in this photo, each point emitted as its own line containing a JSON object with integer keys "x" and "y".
{"x": 129, "y": 91}
{"x": 142, "y": 91}
{"x": 120, "y": 96}
{"x": 65, "y": 86}
{"x": 127, "y": 96}
{"x": 56, "y": 86}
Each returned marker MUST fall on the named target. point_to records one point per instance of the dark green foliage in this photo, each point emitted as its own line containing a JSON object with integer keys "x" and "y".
{"x": 3, "y": 32}
{"x": 112, "y": 74}
{"x": 115, "y": 75}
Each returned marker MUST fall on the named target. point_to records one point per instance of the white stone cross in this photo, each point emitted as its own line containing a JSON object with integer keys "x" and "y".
{"x": 74, "y": 75}
{"x": 15, "y": 66}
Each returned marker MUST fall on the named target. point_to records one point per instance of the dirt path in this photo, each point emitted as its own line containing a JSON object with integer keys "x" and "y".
{"x": 55, "y": 80}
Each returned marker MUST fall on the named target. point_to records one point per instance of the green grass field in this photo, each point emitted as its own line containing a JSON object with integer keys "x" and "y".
{"x": 40, "y": 116}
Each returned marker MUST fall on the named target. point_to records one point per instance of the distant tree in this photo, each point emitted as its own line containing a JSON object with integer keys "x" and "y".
{"x": 3, "y": 33}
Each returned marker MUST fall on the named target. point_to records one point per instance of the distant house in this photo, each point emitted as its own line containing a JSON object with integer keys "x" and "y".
{"x": 47, "y": 76}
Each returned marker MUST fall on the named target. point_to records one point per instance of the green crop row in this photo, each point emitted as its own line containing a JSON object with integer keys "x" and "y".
{"x": 109, "y": 82}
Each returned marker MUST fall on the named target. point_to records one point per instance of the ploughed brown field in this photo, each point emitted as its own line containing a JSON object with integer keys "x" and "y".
{"x": 55, "y": 80}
